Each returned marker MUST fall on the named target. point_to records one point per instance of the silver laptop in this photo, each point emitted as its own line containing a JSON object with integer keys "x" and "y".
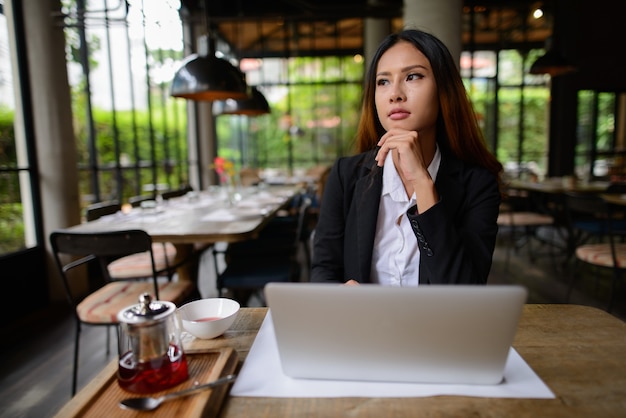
{"x": 426, "y": 334}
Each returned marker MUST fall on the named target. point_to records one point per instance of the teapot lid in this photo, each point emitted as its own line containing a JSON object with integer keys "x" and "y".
{"x": 147, "y": 311}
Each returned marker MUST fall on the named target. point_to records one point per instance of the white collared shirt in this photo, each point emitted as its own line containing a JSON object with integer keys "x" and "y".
{"x": 396, "y": 256}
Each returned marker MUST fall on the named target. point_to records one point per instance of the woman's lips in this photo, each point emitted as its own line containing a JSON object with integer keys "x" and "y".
{"x": 398, "y": 114}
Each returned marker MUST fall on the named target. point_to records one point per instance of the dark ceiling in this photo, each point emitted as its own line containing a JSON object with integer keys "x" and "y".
{"x": 258, "y": 28}
{"x": 295, "y": 9}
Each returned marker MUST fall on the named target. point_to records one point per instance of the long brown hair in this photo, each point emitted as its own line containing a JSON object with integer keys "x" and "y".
{"x": 457, "y": 127}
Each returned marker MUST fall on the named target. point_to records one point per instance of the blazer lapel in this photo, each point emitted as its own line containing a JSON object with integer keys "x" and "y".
{"x": 448, "y": 185}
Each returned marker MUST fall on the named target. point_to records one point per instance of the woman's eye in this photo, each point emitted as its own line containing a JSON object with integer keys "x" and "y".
{"x": 381, "y": 82}
{"x": 414, "y": 76}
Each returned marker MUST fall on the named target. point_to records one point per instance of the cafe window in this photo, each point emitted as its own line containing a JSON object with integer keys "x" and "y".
{"x": 315, "y": 103}
{"x": 600, "y": 142}
{"x": 511, "y": 107}
{"x": 17, "y": 209}
{"x": 131, "y": 134}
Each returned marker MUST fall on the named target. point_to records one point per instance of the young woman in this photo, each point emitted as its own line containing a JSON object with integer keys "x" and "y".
{"x": 419, "y": 203}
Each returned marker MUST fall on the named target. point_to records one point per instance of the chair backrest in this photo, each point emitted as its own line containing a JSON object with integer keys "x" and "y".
{"x": 619, "y": 188}
{"x": 302, "y": 234}
{"x": 169, "y": 194}
{"x": 135, "y": 201}
{"x": 99, "y": 247}
{"x": 585, "y": 203}
{"x": 100, "y": 209}
{"x": 515, "y": 200}
{"x": 590, "y": 213}
{"x": 249, "y": 176}
{"x": 280, "y": 237}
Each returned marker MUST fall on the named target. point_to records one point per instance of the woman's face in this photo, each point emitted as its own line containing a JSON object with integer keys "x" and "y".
{"x": 406, "y": 92}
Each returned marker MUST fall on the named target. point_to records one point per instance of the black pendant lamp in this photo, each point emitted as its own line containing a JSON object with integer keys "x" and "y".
{"x": 205, "y": 77}
{"x": 208, "y": 78}
{"x": 253, "y": 105}
{"x": 552, "y": 63}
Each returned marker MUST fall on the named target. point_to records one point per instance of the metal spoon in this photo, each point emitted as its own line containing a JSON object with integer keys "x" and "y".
{"x": 148, "y": 404}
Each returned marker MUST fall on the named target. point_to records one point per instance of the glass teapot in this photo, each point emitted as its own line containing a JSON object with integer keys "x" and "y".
{"x": 151, "y": 356}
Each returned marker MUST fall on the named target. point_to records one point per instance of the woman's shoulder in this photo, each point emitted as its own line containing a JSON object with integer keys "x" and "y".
{"x": 466, "y": 169}
{"x": 363, "y": 160}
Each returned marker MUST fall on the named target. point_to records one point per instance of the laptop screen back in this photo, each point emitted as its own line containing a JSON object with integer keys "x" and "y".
{"x": 427, "y": 334}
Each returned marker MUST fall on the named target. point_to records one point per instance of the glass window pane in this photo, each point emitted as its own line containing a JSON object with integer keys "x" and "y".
{"x": 16, "y": 212}
{"x": 535, "y": 142}
{"x": 510, "y": 70}
{"x": 12, "y": 233}
{"x": 478, "y": 64}
{"x": 606, "y": 122}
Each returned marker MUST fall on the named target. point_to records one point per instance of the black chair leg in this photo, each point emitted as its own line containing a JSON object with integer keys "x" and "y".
{"x": 572, "y": 280}
{"x": 75, "y": 370}
{"x": 108, "y": 350}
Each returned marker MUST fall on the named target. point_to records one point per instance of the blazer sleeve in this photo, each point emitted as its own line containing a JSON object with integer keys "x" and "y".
{"x": 457, "y": 238}
{"x": 328, "y": 257}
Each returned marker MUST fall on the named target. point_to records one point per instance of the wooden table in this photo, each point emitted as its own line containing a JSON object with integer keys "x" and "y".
{"x": 554, "y": 187}
{"x": 579, "y": 352}
{"x": 184, "y": 222}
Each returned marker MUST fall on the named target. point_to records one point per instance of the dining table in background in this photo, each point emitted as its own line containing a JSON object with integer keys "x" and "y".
{"x": 577, "y": 351}
{"x": 558, "y": 186}
{"x": 548, "y": 197}
{"x": 200, "y": 218}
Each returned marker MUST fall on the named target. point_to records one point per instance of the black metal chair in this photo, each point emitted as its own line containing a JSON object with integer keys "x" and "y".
{"x": 100, "y": 209}
{"x": 136, "y": 266}
{"x": 135, "y": 201}
{"x": 522, "y": 221}
{"x": 170, "y": 194}
{"x": 104, "y": 297}
{"x": 272, "y": 257}
{"x": 591, "y": 216}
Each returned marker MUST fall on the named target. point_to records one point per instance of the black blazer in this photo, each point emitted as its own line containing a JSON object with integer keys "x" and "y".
{"x": 456, "y": 237}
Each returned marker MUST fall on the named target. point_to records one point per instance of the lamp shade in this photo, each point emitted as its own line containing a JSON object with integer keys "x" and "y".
{"x": 553, "y": 63}
{"x": 253, "y": 105}
{"x": 208, "y": 78}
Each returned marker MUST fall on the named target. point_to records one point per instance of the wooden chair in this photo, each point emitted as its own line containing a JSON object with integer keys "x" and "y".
{"x": 135, "y": 201}
{"x": 272, "y": 257}
{"x": 170, "y": 194}
{"x": 100, "y": 304}
{"x": 100, "y": 209}
{"x": 136, "y": 266}
{"x": 249, "y": 176}
{"x": 609, "y": 250}
{"x": 522, "y": 222}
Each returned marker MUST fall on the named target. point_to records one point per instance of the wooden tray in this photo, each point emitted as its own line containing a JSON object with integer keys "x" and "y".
{"x": 101, "y": 397}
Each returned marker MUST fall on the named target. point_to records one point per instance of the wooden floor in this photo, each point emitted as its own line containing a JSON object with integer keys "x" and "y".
{"x": 35, "y": 373}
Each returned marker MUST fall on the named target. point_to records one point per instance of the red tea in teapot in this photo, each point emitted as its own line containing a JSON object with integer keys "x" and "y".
{"x": 154, "y": 375}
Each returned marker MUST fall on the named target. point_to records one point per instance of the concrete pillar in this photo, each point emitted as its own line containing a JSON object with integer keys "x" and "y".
{"x": 442, "y": 18}
{"x": 52, "y": 114}
{"x": 375, "y": 30}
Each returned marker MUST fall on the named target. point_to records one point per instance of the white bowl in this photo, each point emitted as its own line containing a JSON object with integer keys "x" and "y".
{"x": 208, "y": 318}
